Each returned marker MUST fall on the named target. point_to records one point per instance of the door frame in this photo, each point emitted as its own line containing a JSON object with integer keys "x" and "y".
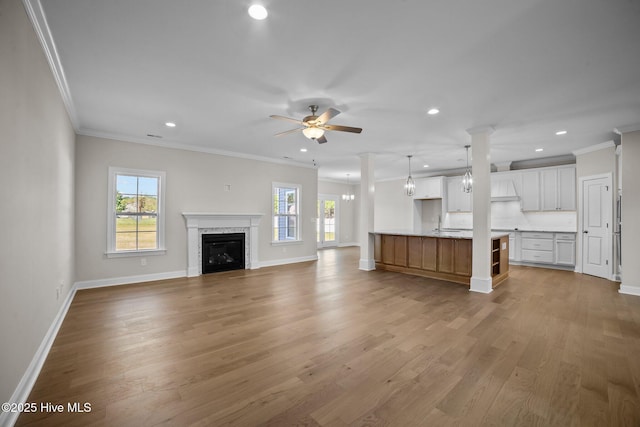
{"x": 609, "y": 236}
{"x": 335, "y": 198}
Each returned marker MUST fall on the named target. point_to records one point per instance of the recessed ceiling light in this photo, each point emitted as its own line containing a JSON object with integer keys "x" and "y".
{"x": 170, "y": 124}
{"x": 425, "y": 166}
{"x": 561, "y": 132}
{"x": 304, "y": 150}
{"x": 257, "y": 11}
{"x": 433, "y": 111}
{"x": 539, "y": 149}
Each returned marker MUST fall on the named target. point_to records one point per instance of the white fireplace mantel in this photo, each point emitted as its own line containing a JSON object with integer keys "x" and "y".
{"x": 198, "y": 221}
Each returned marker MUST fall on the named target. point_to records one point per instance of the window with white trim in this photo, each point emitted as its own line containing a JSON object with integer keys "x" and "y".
{"x": 136, "y": 212}
{"x": 286, "y": 212}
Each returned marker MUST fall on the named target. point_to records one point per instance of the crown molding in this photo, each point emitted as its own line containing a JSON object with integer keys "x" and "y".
{"x": 593, "y": 148}
{"x": 36, "y": 15}
{"x": 626, "y": 129}
{"x": 189, "y": 147}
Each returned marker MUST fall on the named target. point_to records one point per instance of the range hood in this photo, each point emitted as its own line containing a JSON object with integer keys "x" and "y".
{"x": 503, "y": 191}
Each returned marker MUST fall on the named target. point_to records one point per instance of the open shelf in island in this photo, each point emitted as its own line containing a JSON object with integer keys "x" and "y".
{"x": 439, "y": 255}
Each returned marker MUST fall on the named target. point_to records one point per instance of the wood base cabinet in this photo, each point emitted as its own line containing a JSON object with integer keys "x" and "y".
{"x": 438, "y": 257}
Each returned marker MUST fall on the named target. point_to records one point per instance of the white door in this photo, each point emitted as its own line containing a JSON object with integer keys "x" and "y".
{"x": 596, "y": 226}
{"x": 326, "y": 225}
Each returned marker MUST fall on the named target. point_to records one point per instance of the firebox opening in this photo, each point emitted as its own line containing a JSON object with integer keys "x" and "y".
{"x": 222, "y": 252}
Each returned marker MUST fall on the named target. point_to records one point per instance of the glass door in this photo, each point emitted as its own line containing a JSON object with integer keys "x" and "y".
{"x": 326, "y": 229}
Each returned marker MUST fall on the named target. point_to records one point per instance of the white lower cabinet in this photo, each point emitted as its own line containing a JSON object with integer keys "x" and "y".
{"x": 548, "y": 248}
{"x": 537, "y": 247}
{"x": 565, "y": 248}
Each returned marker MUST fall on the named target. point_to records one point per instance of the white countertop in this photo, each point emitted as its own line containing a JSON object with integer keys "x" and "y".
{"x": 536, "y": 229}
{"x": 449, "y": 234}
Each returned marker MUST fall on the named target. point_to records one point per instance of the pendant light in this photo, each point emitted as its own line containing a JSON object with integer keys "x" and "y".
{"x": 467, "y": 179}
{"x": 410, "y": 185}
{"x": 349, "y": 196}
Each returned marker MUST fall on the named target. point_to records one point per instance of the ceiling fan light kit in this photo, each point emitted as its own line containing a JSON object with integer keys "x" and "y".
{"x": 315, "y": 126}
{"x": 312, "y": 132}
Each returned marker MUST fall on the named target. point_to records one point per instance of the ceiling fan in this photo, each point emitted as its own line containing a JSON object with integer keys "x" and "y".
{"x": 315, "y": 126}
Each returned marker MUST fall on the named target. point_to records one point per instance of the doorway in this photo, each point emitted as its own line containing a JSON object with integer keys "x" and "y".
{"x": 596, "y": 230}
{"x": 326, "y": 229}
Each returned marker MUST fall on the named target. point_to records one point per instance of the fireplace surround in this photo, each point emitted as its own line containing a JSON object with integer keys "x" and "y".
{"x": 199, "y": 223}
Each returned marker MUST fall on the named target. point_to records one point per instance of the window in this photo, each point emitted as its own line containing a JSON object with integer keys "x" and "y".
{"x": 136, "y": 214}
{"x": 286, "y": 212}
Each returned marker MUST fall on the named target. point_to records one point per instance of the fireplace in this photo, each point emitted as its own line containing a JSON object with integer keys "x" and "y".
{"x": 201, "y": 223}
{"x": 222, "y": 252}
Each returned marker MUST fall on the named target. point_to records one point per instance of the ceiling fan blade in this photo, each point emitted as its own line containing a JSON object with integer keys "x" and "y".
{"x": 322, "y": 139}
{"x": 286, "y": 132}
{"x": 342, "y": 128}
{"x": 327, "y": 115}
{"x": 289, "y": 119}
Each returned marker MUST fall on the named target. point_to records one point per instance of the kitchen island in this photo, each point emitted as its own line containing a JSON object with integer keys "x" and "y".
{"x": 444, "y": 255}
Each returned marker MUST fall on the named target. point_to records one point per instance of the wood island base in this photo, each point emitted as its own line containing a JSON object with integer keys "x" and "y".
{"x": 438, "y": 257}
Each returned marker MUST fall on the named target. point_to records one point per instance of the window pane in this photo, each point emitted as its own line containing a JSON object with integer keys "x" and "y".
{"x": 126, "y": 184}
{"x": 284, "y": 200}
{"x": 285, "y": 211}
{"x": 147, "y": 223}
{"x": 126, "y": 202}
{"x": 147, "y": 240}
{"x": 126, "y": 223}
{"x": 126, "y": 241}
{"x": 136, "y": 201}
{"x": 148, "y": 204}
{"x": 329, "y": 220}
{"x": 148, "y": 186}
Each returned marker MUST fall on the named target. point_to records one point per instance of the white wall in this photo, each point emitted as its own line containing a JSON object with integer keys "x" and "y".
{"x": 347, "y": 211}
{"x": 36, "y": 171}
{"x": 195, "y": 183}
{"x": 394, "y": 210}
{"x": 630, "y": 212}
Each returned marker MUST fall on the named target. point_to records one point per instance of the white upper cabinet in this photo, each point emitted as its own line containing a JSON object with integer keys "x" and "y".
{"x": 542, "y": 189}
{"x": 530, "y": 197}
{"x": 457, "y": 200}
{"x": 429, "y": 188}
{"x": 567, "y": 188}
{"x": 558, "y": 189}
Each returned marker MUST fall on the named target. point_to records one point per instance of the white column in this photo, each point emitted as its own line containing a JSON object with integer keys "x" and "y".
{"x": 630, "y": 210}
{"x": 193, "y": 269}
{"x": 481, "y": 171}
{"x": 367, "y": 194}
{"x": 253, "y": 244}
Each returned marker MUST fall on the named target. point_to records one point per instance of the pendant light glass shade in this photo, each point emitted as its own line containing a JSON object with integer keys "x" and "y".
{"x": 467, "y": 179}
{"x": 349, "y": 196}
{"x": 410, "y": 185}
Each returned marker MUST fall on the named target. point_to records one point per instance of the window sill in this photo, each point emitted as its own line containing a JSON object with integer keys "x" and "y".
{"x": 126, "y": 254}
{"x": 286, "y": 242}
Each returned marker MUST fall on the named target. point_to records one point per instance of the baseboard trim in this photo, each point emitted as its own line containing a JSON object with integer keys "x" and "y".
{"x": 481, "y": 284}
{"x": 344, "y": 245}
{"x": 28, "y": 380}
{"x": 367, "y": 264}
{"x": 284, "y": 261}
{"x": 629, "y": 290}
{"x": 127, "y": 280}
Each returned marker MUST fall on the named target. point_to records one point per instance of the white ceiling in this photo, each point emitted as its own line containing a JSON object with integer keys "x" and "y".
{"x": 526, "y": 67}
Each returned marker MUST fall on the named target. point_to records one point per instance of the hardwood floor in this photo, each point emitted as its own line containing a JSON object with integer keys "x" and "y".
{"x": 322, "y": 343}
